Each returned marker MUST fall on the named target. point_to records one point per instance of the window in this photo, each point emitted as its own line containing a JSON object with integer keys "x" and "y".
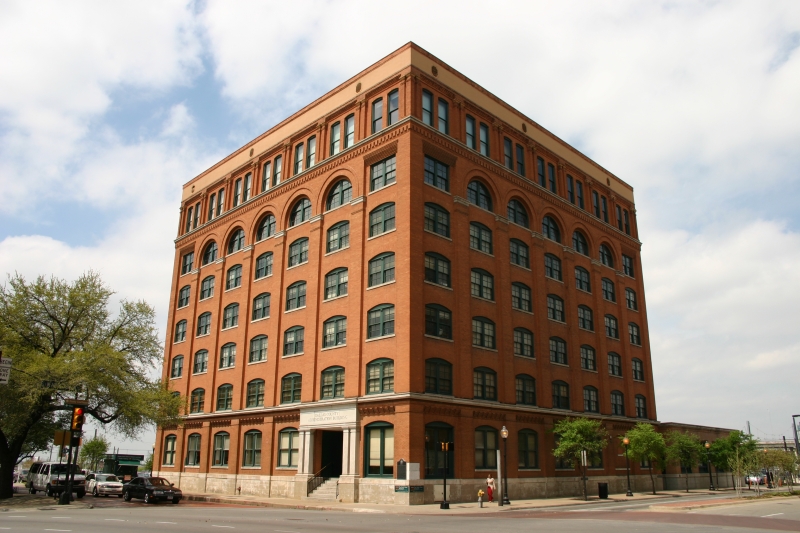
{"x": 485, "y": 448}
{"x": 204, "y": 324}
{"x": 311, "y": 156}
{"x": 482, "y": 284}
{"x": 579, "y": 193}
{"x": 619, "y": 217}
{"x": 552, "y": 266}
{"x": 484, "y": 139}
{"x": 611, "y": 327}
{"x": 437, "y": 174}
{"x": 341, "y": 194}
{"x": 558, "y": 351}
{"x": 560, "y": 395}
{"x": 470, "y": 133}
{"x": 523, "y": 342}
{"x": 427, "y": 108}
{"x": 255, "y": 393}
{"x": 258, "y": 349}
{"x": 377, "y": 115}
{"x": 520, "y": 160}
{"x": 183, "y": 296}
{"x": 261, "y": 306}
{"x": 608, "y": 290}
{"x": 266, "y": 228}
{"x": 225, "y": 397}
{"x": 508, "y": 153}
{"x": 381, "y": 269}
{"x": 604, "y": 203}
{"x": 480, "y": 237}
{"x": 186, "y": 263}
{"x": 437, "y": 269}
{"x": 237, "y": 192}
{"x": 482, "y": 332}
{"x": 437, "y": 220}
{"x": 551, "y": 176}
{"x": 484, "y": 384}
{"x": 200, "y": 362}
{"x": 582, "y": 279}
{"x": 298, "y": 158}
{"x": 438, "y": 376}
{"x": 252, "y": 449}
{"x": 617, "y": 403}
{"x": 633, "y": 333}
{"x": 437, "y": 433}
{"x": 264, "y": 265}
{"x": 383, "y": 173}
{"x": 332, "y": 383}
{"x": 596, "y": 204}
{"x": 605, "y": 256}
{"x": 590, "y": 403}
{"x": 334, "y": 332}
{"x": 521, "y": 297}
{"x": 300, "y": 212}
{"x": 197, "y": 401}
{"x": 291, "y": 385}
{"x": 296, "y": 295}
{"x": 555, "y": 308}
{"x": 298, "y": 252}
{"x": 614, "y": 364}
{"x": 266, "y": 176}
{"x": 519, "y": 253}
{"x": 570, "y": 189}
{"x": 212, "y": 206}
{"x": 349, "y": 131}
{"x": 379, "y": 450}
{"x": 550, "y": 229}
{"x": 336, "y": 283}
{"x": 627, "y": 265}
{"x": 380, "y": 376}
{"x": 540, "y": 172}
{"x": 638, "y": 369}
{"x": 236, "y": 242}
{"x": 193, "y": 450}
{"x": 380, "y": 321}
{"x": 627, "y": 221}
{"x": 526, "y": 390}
{"x": 180, "y": 331}
{"x": 220, "y": 201}
{"x": 438, "y": 321}
{"x": 641, "y": 406}
{"x": 517, "y": 213}
{"x": 210, "y": 254}
{"x": 293, "y": 341}
{"x": 444, "y": 113}
{"x": 336, "y": 136}
{"x": 630, "y": 299}
{"x": 579, "y": 243}
{"x": 227, "y": 355}
{"x": 207, "y": 288}
{"x": 177, "y": 367}
{"x": 169, "y": 450}
{"x": 528, "y": 442}
{"x": 381, "y": 219}
{"x": 288, "y": 448}
{"x": 588, "y": 359}
{"x": 478, "y": 194}
{"x": 230, "y": 318}
{"x": 585, "y": 318}
{"x": 248, "y": 187}
{"x": 234, "y": 277}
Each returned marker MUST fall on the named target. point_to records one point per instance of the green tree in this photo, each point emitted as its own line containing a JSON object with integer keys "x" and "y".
{"x": 148, "y": 463}
{"x": 646, "y": 444}
{"x": 65, "y": 334}
{"x": 93, "y": 451}
{"x": 683, "y": 449}
{"x": 578, "y": 435}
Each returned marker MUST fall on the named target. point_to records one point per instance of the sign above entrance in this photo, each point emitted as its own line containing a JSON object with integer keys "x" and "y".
{"x": 330, "y": 417}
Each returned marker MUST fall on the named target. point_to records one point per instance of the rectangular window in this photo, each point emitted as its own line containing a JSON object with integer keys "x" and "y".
{"x": 605, "y": 208}
{"x": 551, "y": 175}
{"x": 570, "y": 189}
{"x": 266, "y": 175}
{"x": 444, "y": 117}
{"x": 484, "y": 139}
{"x": 278, "y": 167}
{"x": 427, "y": 108}
{"x": 197, "y": 208}
{"x": 540, "y": 172}
{"x": 336, "y": 134}
{"x": 189, "y": 216}
{"x": 471, "y": 132}
{"x": 382, "y": 174}
{"x": 394, "y": 107}
{"x": 220, "y": 201}
{"x": 248, "y": 186}
{"x": 237, "y": 192}
{"x": 579, "y": 193}
{"x": 377, "y": 115}
{"x": 298, "y": 158}
{"x": 508, "y": 154}
{"x": 627, "y": 265}
{"x": 349, "y": 131}
{"x": 436, "y": 174}
{"x": 596, "y": 204}
{"x": 627, "y": 223}
{"x": 619, "y": 217}
{"x": 187, "y": 262}
{"x": 520, "y": 160}
{"x": 212, "y": 205}
{"x": 311, "y": 157}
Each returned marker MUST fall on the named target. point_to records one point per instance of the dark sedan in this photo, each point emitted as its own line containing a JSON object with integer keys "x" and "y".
{"x": 151, "y": 490}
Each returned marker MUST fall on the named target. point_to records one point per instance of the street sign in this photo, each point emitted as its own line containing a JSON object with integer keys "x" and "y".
{"x": 5, "y": 370}
{"x": 76, "y": 402}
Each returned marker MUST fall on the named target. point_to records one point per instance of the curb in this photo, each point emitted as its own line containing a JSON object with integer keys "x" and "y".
{"x": 256, "y": 503}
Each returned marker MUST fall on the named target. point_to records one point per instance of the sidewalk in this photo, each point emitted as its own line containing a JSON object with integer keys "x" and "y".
{"x": 23, "y": 500}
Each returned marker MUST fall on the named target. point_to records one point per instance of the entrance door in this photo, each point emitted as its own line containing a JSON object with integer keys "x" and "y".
{"x": 332, "y": 453}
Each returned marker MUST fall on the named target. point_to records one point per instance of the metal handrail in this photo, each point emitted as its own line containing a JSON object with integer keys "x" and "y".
{"x": 316, "y": 481}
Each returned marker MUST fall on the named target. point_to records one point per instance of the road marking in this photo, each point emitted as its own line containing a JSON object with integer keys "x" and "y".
{"x": 114, "y": 520}
{"x": 166, "y": 522}
{"x": 768, "y": 515}
{"x": 18, "y": 516}
{"x": 286, "y": 531}
{"x": 58, "y": 530}
{"x": 229, "y": 527}
{"x": 68, "y": 517}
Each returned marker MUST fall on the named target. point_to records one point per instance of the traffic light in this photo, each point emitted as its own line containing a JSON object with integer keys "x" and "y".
{"x": 78, "y": 418}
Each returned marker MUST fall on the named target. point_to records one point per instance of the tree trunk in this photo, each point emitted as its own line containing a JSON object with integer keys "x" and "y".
{"x": 687, "y": 482}
{"x": 8, "y": 461}
{"x": 585, "y": 494}
{"x": 652, "y": 481}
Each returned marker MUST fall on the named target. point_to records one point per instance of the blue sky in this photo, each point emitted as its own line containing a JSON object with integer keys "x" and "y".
{"x": 107, "y": 109}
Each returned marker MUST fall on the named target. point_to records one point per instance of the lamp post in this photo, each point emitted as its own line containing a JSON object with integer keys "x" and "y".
{"x": 768, "y": 475}
{"x": 796, "y": 441}
{"x": 626, "y": 442}
{"x": 446, "y": 449}
{"x": 504, "y": 434}
{"x": 708, "y": 462}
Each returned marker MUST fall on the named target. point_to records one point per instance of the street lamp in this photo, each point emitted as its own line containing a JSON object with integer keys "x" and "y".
{"x": 446, "y": 449}
{"x": 708, "y": 462}
{"x": 627, "y": 442}
{"x": 796, "y": 441}
{"x": 768, "y": 475}
{"x": 504, "y": 434}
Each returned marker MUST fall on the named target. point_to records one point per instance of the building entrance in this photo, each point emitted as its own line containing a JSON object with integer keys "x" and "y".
{"x": 331, "y": 453}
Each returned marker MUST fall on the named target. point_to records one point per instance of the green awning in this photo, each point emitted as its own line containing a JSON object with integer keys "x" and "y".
{"x": 129, "y": 463}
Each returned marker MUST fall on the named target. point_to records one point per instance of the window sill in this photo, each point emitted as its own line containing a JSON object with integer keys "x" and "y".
{"x": 631, "y": 309}
{"x": 200, "y": 373}
{"x": 609, "y": 301}
{"x": 333, "y": 347}
{"x": 435, "y": 187}
{"x": 284, "y": 356}
{"x": 589, "y": 370}
{"x": 385, "y": 186}
{"x": 381, "y": 285}
{"x": 251, "y": 467}
{"x": 639, "y": 380}
{"x": 522, "y": 311}
{"x": 178, "y": 342}
{"x": 191, "y": 466}
{"x": 557, "y": 321}
{"x": 521, "y": 267}
{"x": 483, "y": 299}
{"x": 230, "y": 327}
{"x": 293, "y": 310}
{"x": 583, "y": 291}
{"x": 220, "y": 467}
{"x": 285, "y": 468}
{"x": 259, "y": 319}
{"x": 586, "y": 329}
{"x": 554, "y": 279}
{"x": 256, "y": 362}
{"x": 445, "y": 287}
{"x": 182, "y": 306}
{"x": 288, "y": 268}
{"x": 334, "y": 298}
{"x": 380, "y": 338}
{"x": 176, "y": 377}
{"x": 438, "y": 338}
{"x": 615, "y": 376}
{"x": 167, "y": 466}
{"x": 485, "y": 349}
{"x": 226, "y": 368}
{"x": 612, "y": 338}
{"x": 337, "y": 251}
{"x": 256, "y": 280}
{"x": 206, "y": 298}
{"x": 532, "y": 469}
{"x": 481, "y": 252}
{"x": 382, "y": 234}
{"x": 528, "y": 357}
{"x": 636, "y": 345}
{"x": 233, "y": 288}
{"x": 565, "y": 365}
{"x": 437, "y": 235}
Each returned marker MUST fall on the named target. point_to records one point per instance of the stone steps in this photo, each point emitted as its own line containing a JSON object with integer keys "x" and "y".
{"x": 326, "y": 491}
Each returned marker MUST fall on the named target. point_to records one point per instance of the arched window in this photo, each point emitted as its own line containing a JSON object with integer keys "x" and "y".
{"x": 437, "y": 433}
{"x": 341, "y": 194}
{"x": 579, "y": 243}
{"x": 234, "y": 277}
{"x": 298, "y": 252}
{"x": 558, "y": 351}
{"x": 482, "y": 284}
{"x": 590, "y": 403}
{"x": 437, "y": 219}
{"x": 608, "y": 290}
{"x": 483, "y": 332}
{"x": 380, "y": 376}
{"x": 630, "y": 299}
{"x": 437, "y": 269}
{"x": 521, "y": 297}
{"x": 438, "y": 321}
{"x": 293, "y": 341}
{"x": 523, "y": 342}
{"x": 169, "y": 450}
{"x": 183, "y": 296}
{"x": 612, "y": 331}
{"x": 379, "y": 450}
{"x": 252, "y": 449}
{"x": 381, "y": 269}
{"x": 614, "y": 364}
{"x": 438, "y": 376}
{"x": 633, "y": 333}
{"x": 585, "y": 318}
{"x": 197, "y": 401}
{"x": 204, "y": 324}
{"x": 550, "y": 229}
{"x": 222, "y": 443}
{"x": 227, "y": 357}
{"x": 210, "y": 254}
{"x": 336, "y": 283}
{"x": 381, "y": 219}
{"x": 380, "y": 321}
{"x": 555, "y": 308}
{"x": 255, "y": 393}
{"x": 641, "y": 406}
{"x": 288, "y": 448}
{"x": 480, "y": 237}
{"x": 193, "y": 450}
{"x": 296, "y": 295}
{"x": 332, "y": 383}
{"x": 225, "y": 397}
{"x": 478, "y": 194}
{"x": 264, "y": 265}
{"x": 236, "y": 242}
{"x": 552, "y": 266}
{"x": 617, "y": 403}
{"x": 606, "y": 257}
{"x": 338, "y": 237}
{"x": 261, "y": 305}
{"x": 266, "y": 228}
{"x": 300, "y": 212}
{"x": 200, "y": 362}
{"x": 582, "y": 280}
{"x": 526, "y": 389}
{"x": 207, "y": 288}
{"x": 638, "y": 369}
{"x": 180, "y": 331}
{"x": 484, "y": 384}
{"x": 560, "y": 395}
{"x": 588, "y": 358}
{"x": 528, "y": 449}
{"x": 383, "y": 173}
{"x": 485, "y": 447}
{"x": 334, "y": 332}
{"x": 517, "y": 213}
{"x": 291, "y": 385}
{"x": 520, "y": 255}
{"x": 177, "y": 367}
{"x": 258, "y": 349}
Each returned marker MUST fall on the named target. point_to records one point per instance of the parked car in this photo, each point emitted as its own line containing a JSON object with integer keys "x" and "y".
{"x": 754, "y": 479}
{"x": 151, "y": 490}
{"x": 51, "y": 478}
{"x": 103, "y": 485}
{"x": 20, "y": 475}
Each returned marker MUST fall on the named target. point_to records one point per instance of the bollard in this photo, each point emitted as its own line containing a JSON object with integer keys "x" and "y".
{"x": 480, "y": 498}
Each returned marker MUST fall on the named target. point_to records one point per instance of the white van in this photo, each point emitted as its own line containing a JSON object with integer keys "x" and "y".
{"x": 52, "y": 479}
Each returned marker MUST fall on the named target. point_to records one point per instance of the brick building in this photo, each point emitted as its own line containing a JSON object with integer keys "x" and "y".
{"x": 408, "y": 260}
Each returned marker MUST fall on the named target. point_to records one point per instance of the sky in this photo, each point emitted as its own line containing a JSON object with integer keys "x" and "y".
{"x": 107, "y": 108}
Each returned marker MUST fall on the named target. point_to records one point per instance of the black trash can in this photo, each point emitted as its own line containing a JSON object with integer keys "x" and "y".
{"x": 602, "y": 490}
